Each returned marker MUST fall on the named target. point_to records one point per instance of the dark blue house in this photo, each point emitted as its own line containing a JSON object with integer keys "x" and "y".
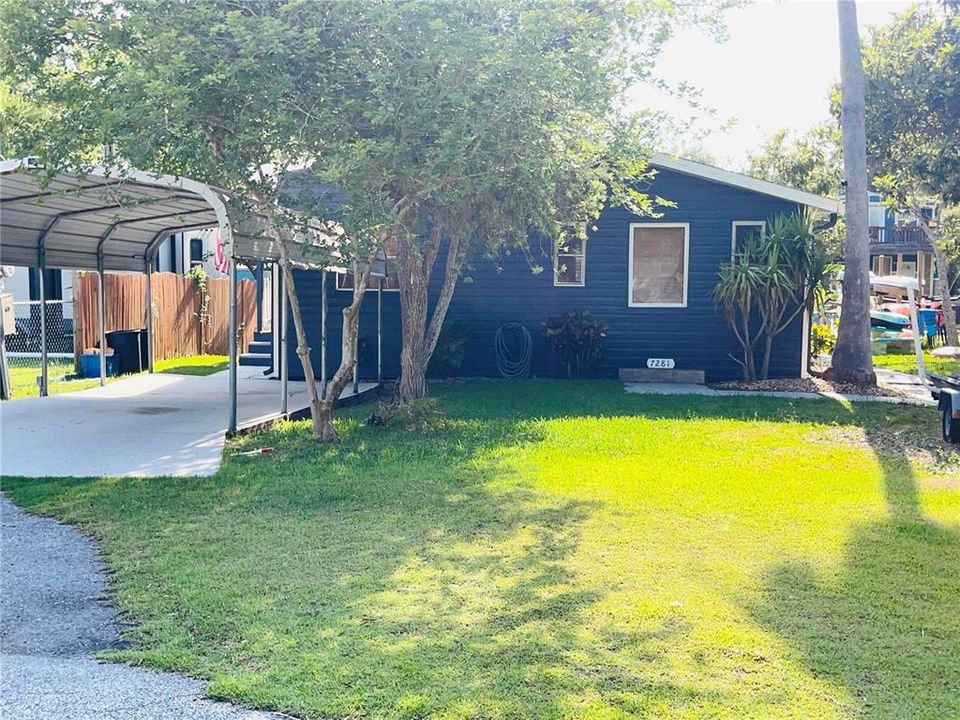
{"x": 649, "y": 279}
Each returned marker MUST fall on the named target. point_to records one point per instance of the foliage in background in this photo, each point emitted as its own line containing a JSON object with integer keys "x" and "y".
{"x": 771, "y": 280}
{"x": 451, "y": 350}
{"x": 912, "y": 68}
{"x": 199, "y": 276}
{"x": 822, "y": 340}
{"x": 577, "y": 340}
{"x": 813, "y": 162}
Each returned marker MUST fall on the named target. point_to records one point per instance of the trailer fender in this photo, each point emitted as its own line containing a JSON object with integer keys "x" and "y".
{"x": 950, "y": 398}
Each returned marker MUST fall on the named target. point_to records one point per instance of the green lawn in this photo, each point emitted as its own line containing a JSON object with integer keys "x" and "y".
{"x": 561, "y": 550}
{"x": 24, "y": 373}
{"x": 192, "y": 365}
{"x": 908, "y": 363}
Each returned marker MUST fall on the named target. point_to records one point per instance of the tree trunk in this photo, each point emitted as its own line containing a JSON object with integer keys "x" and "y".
{"x": 414, "y": 275}
{"x": 767, "y": 352}
{"x": 852, "y": 359}
{"x": 348, "y": 349}
{"x": 322, "y": 422}
{"x": 749, "y": 352}
{"x": 420, "y": 339}
{"x": 321, "y": 408}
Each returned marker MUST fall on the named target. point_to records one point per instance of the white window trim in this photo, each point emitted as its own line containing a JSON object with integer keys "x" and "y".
{"x": 762, "y": 224}
{"x": 337, "y": 282}
{"x": 556, "y": 265}
{"x": 631, "y": 238}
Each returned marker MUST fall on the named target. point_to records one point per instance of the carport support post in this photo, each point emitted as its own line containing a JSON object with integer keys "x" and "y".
{"x": 102, "y": 319}
{"x": 356, "y": 343}
{"x": 148, "y": 292}
{"x": 323, "y": 332}
{"x": 43, "y": 328}
{"x": 918, "y": 348}
{"x": 259, "y": 297}
{"x": 379, "y": 332}
{"x": 232, "y": 349}
{"x": 284, "y": 359}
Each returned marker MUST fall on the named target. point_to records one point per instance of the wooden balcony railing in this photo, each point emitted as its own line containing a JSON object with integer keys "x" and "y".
{"x": 912, "y": 237}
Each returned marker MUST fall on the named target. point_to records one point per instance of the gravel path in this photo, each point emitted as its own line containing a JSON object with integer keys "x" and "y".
{"x": 54, "y": 615}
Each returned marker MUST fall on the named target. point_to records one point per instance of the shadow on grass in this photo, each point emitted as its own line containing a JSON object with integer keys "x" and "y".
{"x": 886, "y": 627}
{"x": 392, "y": 576}
{"x": 403, "y": 575}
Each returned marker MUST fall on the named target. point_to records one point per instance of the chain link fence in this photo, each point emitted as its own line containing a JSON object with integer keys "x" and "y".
{"x": 24, "y": 346}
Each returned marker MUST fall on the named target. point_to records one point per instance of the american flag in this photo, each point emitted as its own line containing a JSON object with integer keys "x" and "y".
{"x": 220, "y": 260}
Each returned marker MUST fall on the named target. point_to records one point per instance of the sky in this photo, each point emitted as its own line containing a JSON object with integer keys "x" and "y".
{"x": 774, "y": 70}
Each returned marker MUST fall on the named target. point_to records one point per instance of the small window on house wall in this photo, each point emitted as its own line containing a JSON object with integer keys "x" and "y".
{"x": 391, "y": 283}
{"x": 743, "y": 232}
{"x": 196, "y": 252}
{"x": 659, "y": 258}
{"x": 569, "y": 263}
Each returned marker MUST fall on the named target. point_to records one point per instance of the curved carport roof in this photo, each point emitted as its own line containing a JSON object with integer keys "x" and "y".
{"x": 115, "y": 218}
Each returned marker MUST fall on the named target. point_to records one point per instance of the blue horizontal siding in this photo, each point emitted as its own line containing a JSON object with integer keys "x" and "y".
{"x": 507, "y": 290}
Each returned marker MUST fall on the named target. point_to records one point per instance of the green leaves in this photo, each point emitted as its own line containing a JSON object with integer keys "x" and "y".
{"x": 912, "y": 69}
{"x": 774, "y": 276}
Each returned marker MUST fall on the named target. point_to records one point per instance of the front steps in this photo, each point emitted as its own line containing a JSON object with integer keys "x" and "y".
{"x": 662, "y": 375}
{"x": 260, "y": 351}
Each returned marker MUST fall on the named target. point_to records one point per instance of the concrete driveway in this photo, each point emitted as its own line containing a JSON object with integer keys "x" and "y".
{"x": 147, "y": 425}
{"x": 54, "y": 616}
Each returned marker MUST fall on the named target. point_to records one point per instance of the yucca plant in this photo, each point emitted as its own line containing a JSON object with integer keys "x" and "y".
{"x": 799, "y": 270}
{"x": 773, "y": 278}
{"x": 741, "y": 283}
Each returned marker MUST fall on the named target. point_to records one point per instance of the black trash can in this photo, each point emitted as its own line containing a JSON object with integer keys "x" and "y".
{"x": 131, "y": 347}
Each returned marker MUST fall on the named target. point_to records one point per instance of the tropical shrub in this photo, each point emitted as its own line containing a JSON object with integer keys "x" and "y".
{"x": 577, "y": 340}
{"x": 771, "y": 280}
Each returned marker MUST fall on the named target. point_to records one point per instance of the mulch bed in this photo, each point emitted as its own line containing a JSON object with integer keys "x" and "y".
{"x": 811, "y": 385}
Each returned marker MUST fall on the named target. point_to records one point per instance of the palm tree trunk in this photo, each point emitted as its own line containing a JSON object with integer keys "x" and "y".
{"x": 852, "y": 359}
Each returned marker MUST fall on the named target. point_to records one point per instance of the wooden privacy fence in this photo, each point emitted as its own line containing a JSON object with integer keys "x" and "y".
{"x": 178, "y": 329}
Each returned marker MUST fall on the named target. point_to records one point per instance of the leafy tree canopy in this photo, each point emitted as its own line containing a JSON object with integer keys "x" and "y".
{"x": 912, "y": 69}
{"x": 812, "y": 161}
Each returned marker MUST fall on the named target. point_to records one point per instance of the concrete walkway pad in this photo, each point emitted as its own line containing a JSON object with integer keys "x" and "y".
{"x": 146, "y": 425}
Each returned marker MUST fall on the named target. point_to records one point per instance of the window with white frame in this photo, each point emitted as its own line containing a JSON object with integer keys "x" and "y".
{"x": 659, "y": 260}
{"x": 744, "y": 231}
{"x": 569, "y": 262}
{"x": 390, "y": 283}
